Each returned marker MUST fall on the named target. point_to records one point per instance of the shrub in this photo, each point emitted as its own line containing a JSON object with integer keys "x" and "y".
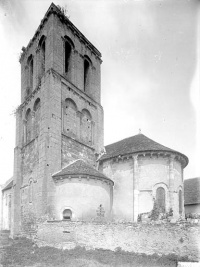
{"x": 154, "y": 215}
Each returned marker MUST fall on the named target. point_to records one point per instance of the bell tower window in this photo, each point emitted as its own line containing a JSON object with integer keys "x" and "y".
{"x": 68, "y": 46}
{"x": 28, "y": 125}
{"x": 30, "y": 74}
{"x": 42, "y": 48}
{"x": 86, "y": 74}
{"x": 67, "y": 56}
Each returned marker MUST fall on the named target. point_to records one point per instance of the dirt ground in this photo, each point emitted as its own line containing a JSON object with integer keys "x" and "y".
{"x": 23, "y": 252}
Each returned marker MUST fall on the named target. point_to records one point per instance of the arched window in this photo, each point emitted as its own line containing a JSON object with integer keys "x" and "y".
{"x": 87, "y": 66}
{"x": 67, "y": 214}
{"x": 70, "y": 117}
{"x": 42, "y": 47}
{"x": 30, "y": 193}
{"x": 180, "y": 201}
{"x": 160, "y": 198}
{"x": 86, "y": 127}
{"x": 68, "y": 50}
{"x": 36, "y": 109}
{"x": 30, "y": 74}
{"x": 28, "y": 125}
{"x": 68, "y": 46}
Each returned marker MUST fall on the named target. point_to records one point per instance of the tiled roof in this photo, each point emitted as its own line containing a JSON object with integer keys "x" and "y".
{"x": 80, "y": 167}
{"x": 192, "y": 191}
{"x": 134, "y": 144}
{"x": 8, "y": 184}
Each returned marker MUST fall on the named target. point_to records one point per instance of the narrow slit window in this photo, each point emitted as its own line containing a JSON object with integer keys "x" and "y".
{"x": 43, "y": 57}
{"x": 68, "y": 50}
{"x": 86, "y": 74}
{"x": 30, "y": 73}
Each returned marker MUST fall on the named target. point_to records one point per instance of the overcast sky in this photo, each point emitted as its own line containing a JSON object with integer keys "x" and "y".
{"x": 149, "y": 77}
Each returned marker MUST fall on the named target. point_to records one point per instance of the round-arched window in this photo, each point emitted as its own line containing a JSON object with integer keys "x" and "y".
{"x": 160, "y": 198}
{"x": 67, "y": 214}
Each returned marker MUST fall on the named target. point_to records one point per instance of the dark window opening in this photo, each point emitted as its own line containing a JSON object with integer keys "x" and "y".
{"x": 36, "y": 104}
{"x": 67, "y": 214}
{"x": 43, "y": 57}
{"x": 42, "y": 48}
{"x": 30, "y": 72}
{"x": 28, "y": 126}
{"x": 68, "y": 50}
{"x": 160, "y": 198}
{"x": 86, "y": 73}
{"x": 36, "y": 124}
{"x": 28, "y": 91}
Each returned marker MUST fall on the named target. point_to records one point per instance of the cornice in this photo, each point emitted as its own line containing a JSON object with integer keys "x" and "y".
{"x": 152, "y": 154}
{"x": 83, "y": 177}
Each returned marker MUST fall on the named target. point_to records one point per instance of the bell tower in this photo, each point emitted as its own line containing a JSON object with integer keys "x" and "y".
{"x": 60, "y": 118}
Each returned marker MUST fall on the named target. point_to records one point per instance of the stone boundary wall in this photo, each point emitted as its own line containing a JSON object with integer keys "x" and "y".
{"x": 181, "y": 240}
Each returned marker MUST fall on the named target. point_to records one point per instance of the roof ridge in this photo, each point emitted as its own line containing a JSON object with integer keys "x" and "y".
{"x": 66, "y": 166}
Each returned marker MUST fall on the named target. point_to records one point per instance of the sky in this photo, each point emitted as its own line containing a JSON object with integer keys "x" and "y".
{"x": 149, "y": 75}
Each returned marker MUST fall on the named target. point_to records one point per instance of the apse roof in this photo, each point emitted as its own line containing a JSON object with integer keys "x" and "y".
{"x": 192, "y": 191}
{"x": 8, "y": 184}
{"x": 80, "y": 167}
{"x": 135, "y": 144}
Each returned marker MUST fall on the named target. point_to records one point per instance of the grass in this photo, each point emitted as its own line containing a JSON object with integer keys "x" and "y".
{"x": 23, "y": 252}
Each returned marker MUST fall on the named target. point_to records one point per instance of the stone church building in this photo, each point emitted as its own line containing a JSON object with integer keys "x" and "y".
{"x": 61, "y": 168}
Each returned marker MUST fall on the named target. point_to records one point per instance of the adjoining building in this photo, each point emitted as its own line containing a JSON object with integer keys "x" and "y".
{"x": 192, "y": 195}
{"x": 61, "y": 168}
{"x": 6, "y": 197}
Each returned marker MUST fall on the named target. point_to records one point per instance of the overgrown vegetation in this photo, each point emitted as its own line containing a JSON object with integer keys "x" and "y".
{"x": 192, "y": 216}
{"x": 24, "y": 252}
{"x": 156, "y": 214}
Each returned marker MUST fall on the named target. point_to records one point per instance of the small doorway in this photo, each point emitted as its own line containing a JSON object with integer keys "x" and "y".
{"x": 67, "y": 214}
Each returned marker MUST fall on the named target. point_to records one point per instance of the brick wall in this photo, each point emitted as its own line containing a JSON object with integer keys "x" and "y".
{"x": 179, "y": 239}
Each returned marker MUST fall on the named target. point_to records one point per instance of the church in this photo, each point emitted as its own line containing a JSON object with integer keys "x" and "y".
{"x": 61, "y": 168}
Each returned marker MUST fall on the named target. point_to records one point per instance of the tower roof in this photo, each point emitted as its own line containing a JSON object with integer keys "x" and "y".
{"x": 135, "y": 144}
{"x": 80, "y": 167}
{"x": 192, "y": 191}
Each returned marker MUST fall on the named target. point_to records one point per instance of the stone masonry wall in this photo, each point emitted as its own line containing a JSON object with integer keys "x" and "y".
{"x": 73, "y": 150}
{"x": 177, "y": 239}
